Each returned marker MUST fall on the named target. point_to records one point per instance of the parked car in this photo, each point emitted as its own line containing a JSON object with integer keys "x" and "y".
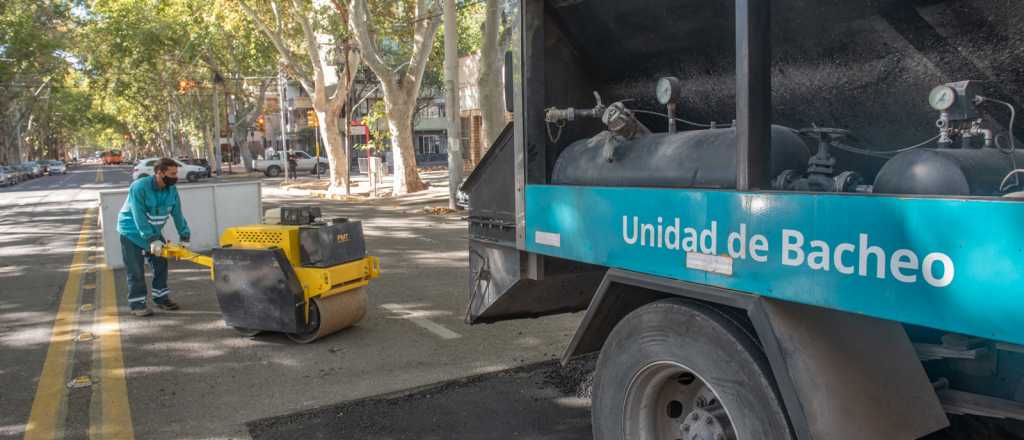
{"x": 302, "y": 162}
{"x": 191, "y": 173}
{"x": 16, "y": 175}
{"x": 22, "y": 174}
{"x": 36, "y": 168}
{"x": 55, "y": 167}
{"x": 7, "y": 178}
{"x": 31, "y": 169}
{"x": 200, "y": 163}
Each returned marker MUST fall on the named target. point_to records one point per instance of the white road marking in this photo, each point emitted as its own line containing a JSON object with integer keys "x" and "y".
{"x": 417, "y": 317}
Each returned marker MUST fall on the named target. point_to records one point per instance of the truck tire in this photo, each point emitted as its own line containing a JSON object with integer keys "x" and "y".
{"x": 322, "y": 167}
{"x": 192, "y": 177}
{"x": 273, "y": 171}
{"x": 679, "y": 369}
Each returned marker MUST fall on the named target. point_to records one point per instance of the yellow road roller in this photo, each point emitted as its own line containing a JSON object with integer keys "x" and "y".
{"x": 303, "y": 277}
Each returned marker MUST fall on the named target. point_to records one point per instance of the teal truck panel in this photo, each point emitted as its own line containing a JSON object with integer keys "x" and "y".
{"x": 949, "y": 264}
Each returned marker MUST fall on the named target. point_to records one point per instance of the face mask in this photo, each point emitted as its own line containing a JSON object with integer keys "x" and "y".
{"x": 170, "y": 181}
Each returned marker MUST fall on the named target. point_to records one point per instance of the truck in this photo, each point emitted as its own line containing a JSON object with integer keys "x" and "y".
{"x": 780, "y": 219}
{"x": 112, "y": 157}
{"x": 304, "y": 162}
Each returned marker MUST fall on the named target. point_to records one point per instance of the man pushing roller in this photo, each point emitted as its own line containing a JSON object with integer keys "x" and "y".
{"x": 151, "y": 201}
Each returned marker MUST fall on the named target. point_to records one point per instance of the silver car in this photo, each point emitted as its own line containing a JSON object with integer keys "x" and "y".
{"x": 11, "y": 175}
{"x": 54, "y": 167}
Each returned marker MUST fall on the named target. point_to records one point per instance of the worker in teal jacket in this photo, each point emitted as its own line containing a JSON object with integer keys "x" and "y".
{"x": 151, "y": 201}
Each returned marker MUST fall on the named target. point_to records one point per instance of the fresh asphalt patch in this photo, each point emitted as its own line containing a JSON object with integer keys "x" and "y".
{"x": 539, "y": 401}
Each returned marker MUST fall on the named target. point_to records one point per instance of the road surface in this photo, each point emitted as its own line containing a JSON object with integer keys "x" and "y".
{"x": 183, "y": 375}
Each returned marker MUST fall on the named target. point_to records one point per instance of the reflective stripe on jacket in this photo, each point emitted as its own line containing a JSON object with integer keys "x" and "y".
{"x": 146, "y": 210}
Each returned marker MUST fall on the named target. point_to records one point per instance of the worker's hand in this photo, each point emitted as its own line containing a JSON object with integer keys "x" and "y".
{"x": 156, "y": 247}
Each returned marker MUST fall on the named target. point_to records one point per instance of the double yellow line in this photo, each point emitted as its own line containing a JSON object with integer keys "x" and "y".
{"x": 110, "y": 412}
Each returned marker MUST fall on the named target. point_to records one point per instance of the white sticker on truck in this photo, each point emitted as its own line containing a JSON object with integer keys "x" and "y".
{"x": 548, "y": 238}
{"x": 709, "y": 263}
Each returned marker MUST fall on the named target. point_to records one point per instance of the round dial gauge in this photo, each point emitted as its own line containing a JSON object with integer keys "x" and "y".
{"x": 669, "y": 90}
{"x": 942, "y": 98}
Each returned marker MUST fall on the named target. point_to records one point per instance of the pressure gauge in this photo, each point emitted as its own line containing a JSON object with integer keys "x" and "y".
{"x": 942, "y": 98}
{"x": 669, "y": 90}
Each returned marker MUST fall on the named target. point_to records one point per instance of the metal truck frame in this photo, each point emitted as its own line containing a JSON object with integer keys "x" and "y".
{"x": 799, "y": 314}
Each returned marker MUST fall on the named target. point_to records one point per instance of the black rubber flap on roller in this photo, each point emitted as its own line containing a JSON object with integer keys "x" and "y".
{"x": 258, "y": 289}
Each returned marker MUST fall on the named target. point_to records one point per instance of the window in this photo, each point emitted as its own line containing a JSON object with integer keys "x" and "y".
{"x": 428, "y": 144}
{"x": 302, "y": 155}
{"x": 435, "y": 110}
{"x": 150, "y": 163}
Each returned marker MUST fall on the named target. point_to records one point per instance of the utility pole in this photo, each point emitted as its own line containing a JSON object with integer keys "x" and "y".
{"x": 17, "y": 131}
{"x": 171, "y": 130}
{"x": 232, "y": 125}
{"x": 451, "y": 77}
{"x": 284, "y": 127}
{"x": 217, "y": 155}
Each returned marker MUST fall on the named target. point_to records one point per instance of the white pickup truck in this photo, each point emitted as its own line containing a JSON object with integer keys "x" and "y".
{"x": 304, "y": 163}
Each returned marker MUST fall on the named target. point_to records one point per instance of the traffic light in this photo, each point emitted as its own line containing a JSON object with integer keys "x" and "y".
{"x": 186, "y": 85}
{"x": 311, "y": 120}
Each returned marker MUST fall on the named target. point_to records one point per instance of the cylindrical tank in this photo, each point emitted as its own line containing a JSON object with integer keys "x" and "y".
{"x": 947, "y": 171}
{"x": 701, "y": 158}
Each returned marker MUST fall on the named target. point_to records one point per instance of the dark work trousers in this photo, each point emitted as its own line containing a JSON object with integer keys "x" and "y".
{"x": 135, "y": 268}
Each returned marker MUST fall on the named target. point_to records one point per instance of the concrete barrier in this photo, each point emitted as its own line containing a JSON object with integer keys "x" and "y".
{"x": 209, "y": 209}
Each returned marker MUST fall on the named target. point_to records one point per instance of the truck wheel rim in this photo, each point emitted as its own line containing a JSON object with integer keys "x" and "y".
{"x": 666, "y": 400}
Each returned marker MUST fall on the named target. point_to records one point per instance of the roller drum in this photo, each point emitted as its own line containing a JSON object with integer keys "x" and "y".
{"x": 332, "y": 314}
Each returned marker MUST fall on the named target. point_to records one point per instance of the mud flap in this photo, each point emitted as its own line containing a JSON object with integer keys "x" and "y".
{"x": 499, "y": 289}
{"x": 258, "y": 289}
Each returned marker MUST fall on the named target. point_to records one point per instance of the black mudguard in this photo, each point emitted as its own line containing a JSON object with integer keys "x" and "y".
{"x": 501, "y": 291}
{"x": 258, "y": 289}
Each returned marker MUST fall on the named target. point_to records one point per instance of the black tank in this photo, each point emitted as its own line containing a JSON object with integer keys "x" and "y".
{"x": 947, "y": 171}
{"x": 701, "y": 158}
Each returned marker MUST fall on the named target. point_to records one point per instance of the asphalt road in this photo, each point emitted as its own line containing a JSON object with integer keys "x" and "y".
{"x": 183, "y": 375}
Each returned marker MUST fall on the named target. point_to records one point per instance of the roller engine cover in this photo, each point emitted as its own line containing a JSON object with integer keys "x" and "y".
{"x": 333, "y": 244}
{"x": 299, "y": 215}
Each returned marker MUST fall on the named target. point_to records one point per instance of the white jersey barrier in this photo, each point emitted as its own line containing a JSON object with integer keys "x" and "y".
{"x": 209, "y": 209}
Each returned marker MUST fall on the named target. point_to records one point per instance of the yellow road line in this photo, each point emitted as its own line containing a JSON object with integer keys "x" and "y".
{"x": 110, "y": 397}
{"x": 48, "y": 407}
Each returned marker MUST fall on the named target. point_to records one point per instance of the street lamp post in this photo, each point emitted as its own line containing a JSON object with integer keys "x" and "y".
{"x": 217, "y": 154}
{"x": 280, "y": 109}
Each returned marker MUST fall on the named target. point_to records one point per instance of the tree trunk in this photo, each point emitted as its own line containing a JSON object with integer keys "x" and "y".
{"x": 489, "y": 83}
{"x": 238, "y": 138}
{"x": 492, "y": 103}
{"x": 337, "y": 155}
{"x": 211, "y": 155}
{"x": 406, "y": 179}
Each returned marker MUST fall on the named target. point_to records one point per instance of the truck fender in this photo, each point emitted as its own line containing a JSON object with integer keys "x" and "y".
{"x": 841, "y": 375}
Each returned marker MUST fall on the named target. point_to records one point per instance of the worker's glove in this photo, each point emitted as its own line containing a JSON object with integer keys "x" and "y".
{"x": 156, "y": 247}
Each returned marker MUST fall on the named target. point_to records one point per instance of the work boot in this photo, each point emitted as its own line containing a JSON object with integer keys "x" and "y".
{"x": 142, "y": 312}
{"x": 168, "y": 305}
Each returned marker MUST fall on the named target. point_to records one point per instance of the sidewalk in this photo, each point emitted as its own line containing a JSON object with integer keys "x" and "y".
{"x": 362, "y": 191}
